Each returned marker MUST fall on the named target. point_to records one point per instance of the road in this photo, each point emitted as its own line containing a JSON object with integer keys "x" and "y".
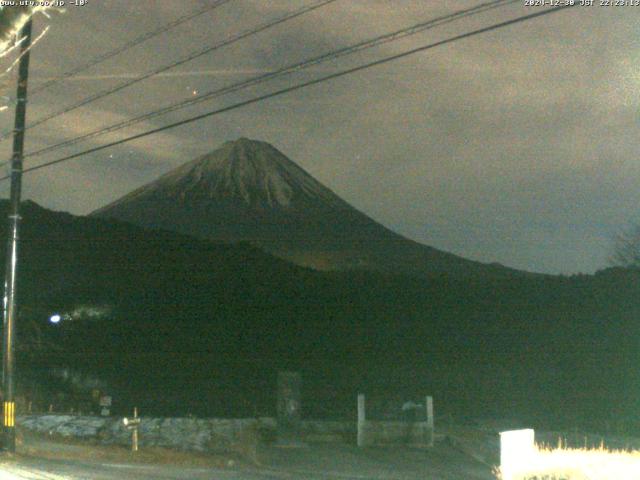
{"x": 319, "y": 462}
{"x": 40, "y": 469}
{"x": 42, "y": 457}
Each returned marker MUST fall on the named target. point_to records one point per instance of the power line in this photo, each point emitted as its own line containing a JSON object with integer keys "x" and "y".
{"x": 373, "y": 42}
{"x": 302, "y": 85}
{"x": 188, "y": 58}
{"x": 108, "y": 55}
{"x": 136, "y": 41}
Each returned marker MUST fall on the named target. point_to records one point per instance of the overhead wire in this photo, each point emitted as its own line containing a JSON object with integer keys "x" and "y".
{"x": 127, "y": 46}
{"x": 192, "y": 56}
{"x": 366, "y": 44}
{"x": 302, "y": 85}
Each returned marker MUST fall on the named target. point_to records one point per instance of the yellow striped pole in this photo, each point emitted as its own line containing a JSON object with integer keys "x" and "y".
{"x": 9, "y": 409}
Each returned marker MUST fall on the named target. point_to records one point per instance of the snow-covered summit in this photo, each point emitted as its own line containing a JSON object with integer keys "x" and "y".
{"x": 251, "y": 171}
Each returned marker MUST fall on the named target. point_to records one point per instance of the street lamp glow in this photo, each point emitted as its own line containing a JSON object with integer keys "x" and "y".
{"x": 55, "y": 318}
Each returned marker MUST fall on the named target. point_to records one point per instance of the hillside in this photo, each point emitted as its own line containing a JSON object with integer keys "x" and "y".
{"x": 180, "y": 325}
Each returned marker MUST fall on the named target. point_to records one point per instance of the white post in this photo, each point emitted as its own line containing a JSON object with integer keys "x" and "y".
{"x": 430, "y": 426}
{"x": 134, "y": 433}
{"x": 361, "y": 420}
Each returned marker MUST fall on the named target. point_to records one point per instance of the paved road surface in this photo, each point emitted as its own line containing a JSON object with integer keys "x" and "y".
{"x": 38, "y": 469}
{"x": 320, "y": 462}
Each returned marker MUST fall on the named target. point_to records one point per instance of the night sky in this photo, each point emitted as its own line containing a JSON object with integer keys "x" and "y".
{"x": 517, "y": 146}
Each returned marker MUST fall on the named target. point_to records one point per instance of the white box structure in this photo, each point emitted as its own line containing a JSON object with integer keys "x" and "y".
{"x": 517, "y": 452}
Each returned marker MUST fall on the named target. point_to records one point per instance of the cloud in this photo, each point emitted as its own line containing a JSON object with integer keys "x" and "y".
{"x": 516, "y": 146}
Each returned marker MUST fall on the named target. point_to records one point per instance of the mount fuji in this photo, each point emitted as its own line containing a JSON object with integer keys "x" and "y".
{"x": 248, "y": 191}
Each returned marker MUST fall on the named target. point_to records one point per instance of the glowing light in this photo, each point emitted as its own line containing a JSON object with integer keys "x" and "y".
{"x": 55, "y": 318}
{"x": 522, "y": 459}
{"x": 33, "y": 44}
{"x": 517, "y": 451}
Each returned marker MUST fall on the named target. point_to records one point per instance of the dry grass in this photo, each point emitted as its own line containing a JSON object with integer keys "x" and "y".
{"x": 579, "y": 464}
{"x": 55, "y": 447}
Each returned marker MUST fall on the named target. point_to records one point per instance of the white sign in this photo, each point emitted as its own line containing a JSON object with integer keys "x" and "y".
{"x": 517, "y": 452}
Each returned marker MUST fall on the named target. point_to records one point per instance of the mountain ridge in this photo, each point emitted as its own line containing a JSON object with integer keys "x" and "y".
{"x": 248, "y": 190}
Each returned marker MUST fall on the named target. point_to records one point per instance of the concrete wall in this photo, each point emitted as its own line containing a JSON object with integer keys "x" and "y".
{"x": 382, "y": 432}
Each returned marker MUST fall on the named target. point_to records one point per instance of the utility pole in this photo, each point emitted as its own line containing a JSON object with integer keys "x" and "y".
{"x": 9, "y": 406}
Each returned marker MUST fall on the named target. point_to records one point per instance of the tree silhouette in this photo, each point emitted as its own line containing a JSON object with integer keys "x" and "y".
{"x": 626, "y": 251}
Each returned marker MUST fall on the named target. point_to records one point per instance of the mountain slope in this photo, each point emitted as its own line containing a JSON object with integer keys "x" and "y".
{"x": 181, "y": 325}
{"x": 249, "y": 191}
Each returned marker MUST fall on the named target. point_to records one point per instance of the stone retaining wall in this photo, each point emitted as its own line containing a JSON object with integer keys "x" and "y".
{"x": 196, "y": 434}
{"x": 211, "y": 434}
